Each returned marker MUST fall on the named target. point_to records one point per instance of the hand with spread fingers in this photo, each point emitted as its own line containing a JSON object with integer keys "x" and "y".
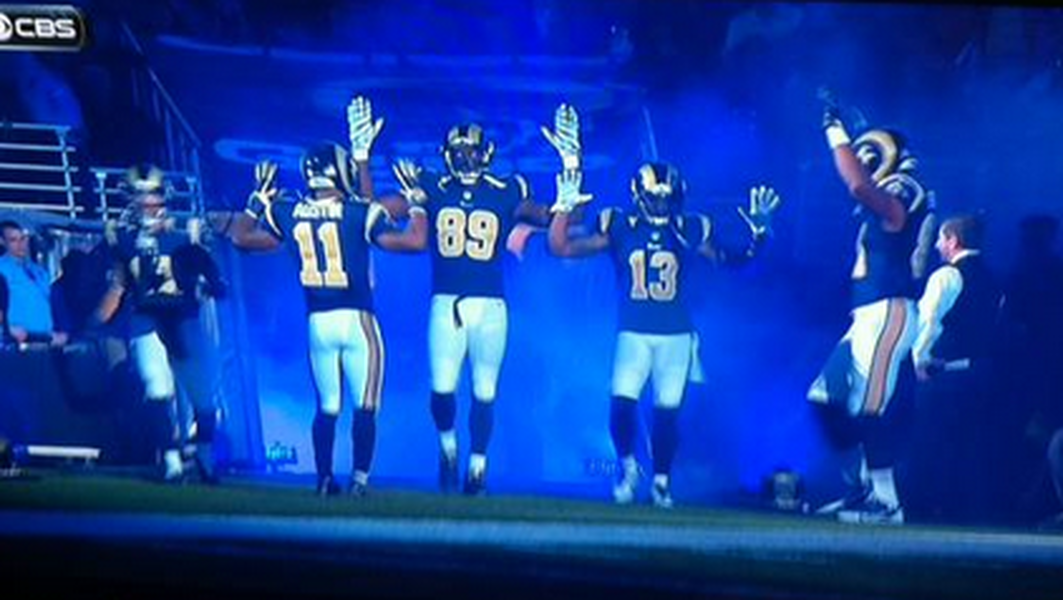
{"x": 409, "y": 176}
{"x": 362, "y": 129}
{"x": 265, "y": 188}
{"x": 568, "y": 191}
{"x": 763, "y": 202}
{"x": 565, "y": 136}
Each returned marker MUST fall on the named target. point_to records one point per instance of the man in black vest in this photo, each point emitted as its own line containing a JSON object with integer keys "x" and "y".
{"x": 958, "y": 313}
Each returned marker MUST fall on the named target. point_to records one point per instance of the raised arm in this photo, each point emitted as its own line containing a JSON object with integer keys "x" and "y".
{"x": 244, "y": 229}
{"x": 562, "y": 242}
{"x": 112, "y": 298}
{"x": 565, "y": 245}
{"x": 412, "y": 238}
{"x": 362, "y": 131}
{"x": 763, "y": 202}
{"x": 534, "y": 214}
{"x": 409, "y": 203}
{"x": 861, "y": 187}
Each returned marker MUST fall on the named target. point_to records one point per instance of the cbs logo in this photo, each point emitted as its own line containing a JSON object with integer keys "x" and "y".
{"x": 41, "y": 28}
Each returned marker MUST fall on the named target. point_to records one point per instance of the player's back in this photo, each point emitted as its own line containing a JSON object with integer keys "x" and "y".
{"x": 329, "y": 241}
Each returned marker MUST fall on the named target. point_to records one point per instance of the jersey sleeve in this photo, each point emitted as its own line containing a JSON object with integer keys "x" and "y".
{"x": 377, "y": 221}
{"x": 277, "y": 217}
{"x": 607, "y": 220}
{"x": 697, "y": 230}
{"x": 432, "y": 184}
{"x": 521, "y": 190}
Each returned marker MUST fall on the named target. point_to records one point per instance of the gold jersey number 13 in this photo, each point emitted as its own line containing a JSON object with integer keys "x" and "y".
{"x": 665, "y": 264}
{"x": 311, "y": 275}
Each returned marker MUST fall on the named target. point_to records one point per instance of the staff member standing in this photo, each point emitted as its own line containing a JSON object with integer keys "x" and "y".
{"x": 957, "y": 314}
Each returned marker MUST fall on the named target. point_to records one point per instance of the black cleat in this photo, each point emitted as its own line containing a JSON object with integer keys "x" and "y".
{"x": 448, "y": 474}
{"x": 327, "y": 486}
{"x": 358, "y": 490}
{"x": 854, "y": 498}
{"x": 208, "y": 475}
{"x": 475, "y": 486}
{"x": 662, "y": 496}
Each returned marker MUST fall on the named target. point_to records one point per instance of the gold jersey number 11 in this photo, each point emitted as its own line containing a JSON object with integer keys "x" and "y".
{"x": 311, "y": 275}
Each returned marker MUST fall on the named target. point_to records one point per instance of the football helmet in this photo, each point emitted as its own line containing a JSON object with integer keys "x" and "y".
{"x": 658, "y": 190}
{"x": 146, "y": 187}
{"x": 327, "y": 166}
{"x": 892, "y": 166}
{"x": 467, "y": 152}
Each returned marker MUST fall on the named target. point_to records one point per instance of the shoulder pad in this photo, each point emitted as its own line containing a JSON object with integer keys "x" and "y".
{"x": 443, "y": 182}
{"x": 494, "y": 181}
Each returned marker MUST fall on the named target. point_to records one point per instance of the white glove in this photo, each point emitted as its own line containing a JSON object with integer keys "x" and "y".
{"x": 265, "y": 188}
{"x": 195, "y": 230}
{"x": 565, "y": 136}
{"x": 834, "y": 127}
{"x": 409, "y": 175}
{"x": 763, "y": 202}
{"x": 568, "y": 193}
{"x": 361, "y": 127}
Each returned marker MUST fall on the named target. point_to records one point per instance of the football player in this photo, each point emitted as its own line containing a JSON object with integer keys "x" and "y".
{"x": 329, "y": 231}
{"x": 471, "y": 213}
{"x": 862, "y": 392}
{"x": 163, "y": 272}
{"x": 650, "y": 245}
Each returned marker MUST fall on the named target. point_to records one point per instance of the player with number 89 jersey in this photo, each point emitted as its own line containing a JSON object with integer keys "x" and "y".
{"x": 471, "y": 213}
{"x": 468, "y": 226}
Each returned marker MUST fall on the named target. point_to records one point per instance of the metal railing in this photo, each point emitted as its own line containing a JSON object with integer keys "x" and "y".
{"x": 179, "y": 151}
{"x": 184, "y": 199}
{"x": 36, "y": 169}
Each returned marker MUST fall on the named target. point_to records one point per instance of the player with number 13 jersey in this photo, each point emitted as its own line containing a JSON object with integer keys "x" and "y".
{"x": 650, "y": 247}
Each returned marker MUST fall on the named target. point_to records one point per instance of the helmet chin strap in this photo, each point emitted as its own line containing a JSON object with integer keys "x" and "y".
{"x": 657, "y": 220}
{"x": 319, "y": 182}
{"x": 469, "y": 178}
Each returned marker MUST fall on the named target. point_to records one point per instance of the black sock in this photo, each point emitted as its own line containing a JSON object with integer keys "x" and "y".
{"x": 206, "y": 423}
{"x": 205, "y": 426}
{"x": 444, "y": 407}
{"x": 481, "y": 423}
{"x": 665, "y": 439}
{"x": 164, "y": 430}
{"x": 363, "y": 434}
{"x": 623, "y": 420}
{"x": 324, "y": 434}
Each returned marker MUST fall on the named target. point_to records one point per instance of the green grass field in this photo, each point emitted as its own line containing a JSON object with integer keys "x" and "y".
{"x": 721, "y": 546}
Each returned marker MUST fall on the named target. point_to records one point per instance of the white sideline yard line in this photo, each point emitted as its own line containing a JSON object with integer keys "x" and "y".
{"x": 79, "y": 452}
{"x": 547, "y": 538}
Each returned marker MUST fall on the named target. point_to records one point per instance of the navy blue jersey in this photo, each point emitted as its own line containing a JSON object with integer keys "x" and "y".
{"x": 649, "y": 263}
{"x": 468, "y": 226}
{"x": 330, "y": 242}
{"x": 163, "y": 270}
{"x": 890, "y": 264}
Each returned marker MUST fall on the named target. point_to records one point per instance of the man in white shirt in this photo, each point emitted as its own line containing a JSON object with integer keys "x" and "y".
{"x": 958, "y": 313}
